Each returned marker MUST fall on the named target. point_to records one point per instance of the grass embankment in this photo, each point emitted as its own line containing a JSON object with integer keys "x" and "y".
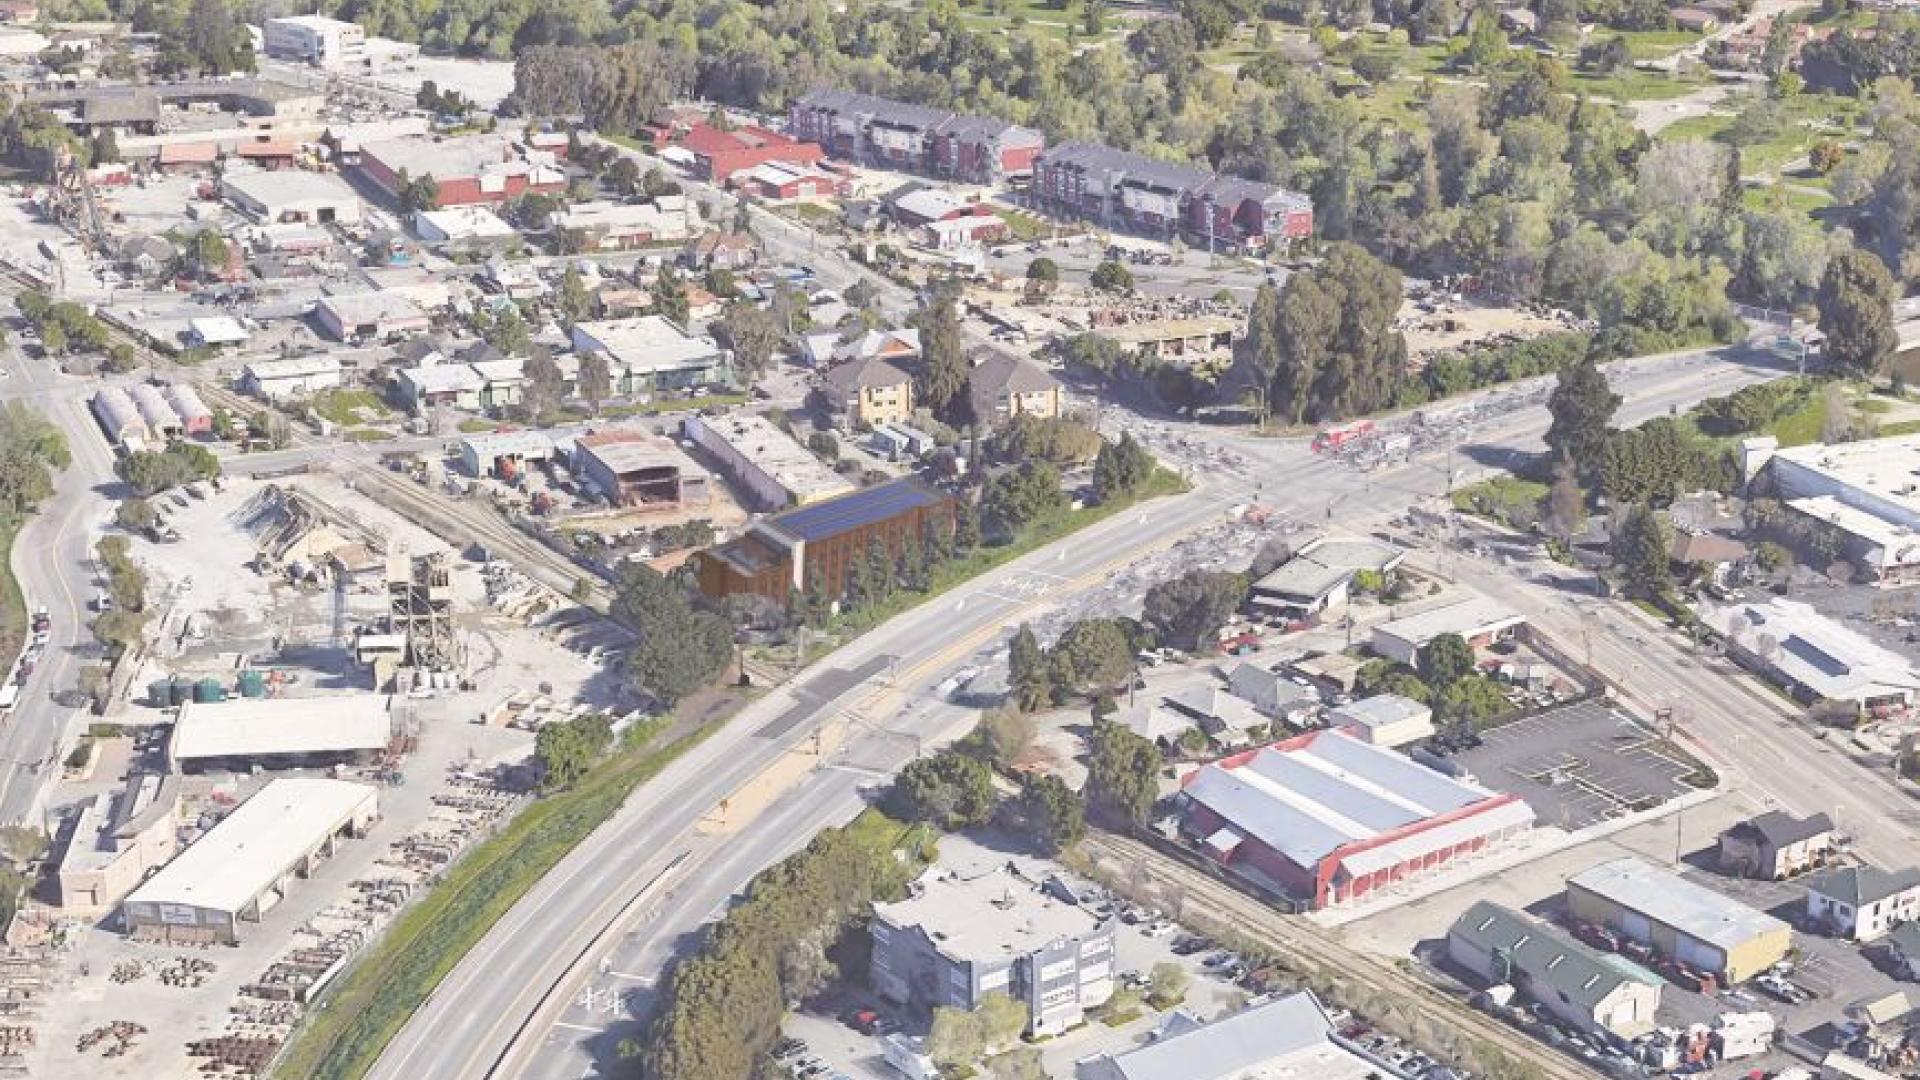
{"x": 983, "y": 559}
{"x": 346, "y": 408}
{"x": 346, "y": 1033}
{"x": 13, "y": 604}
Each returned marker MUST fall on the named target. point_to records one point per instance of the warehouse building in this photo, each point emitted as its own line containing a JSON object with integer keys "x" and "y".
{"x": 1679, "y": 919}
{"x": 464, "y": 229}
{"x": 161, "y": 420}
{"x": 652, "y": 353}
{"x": 465, "y": 169}
{"x": 776, "y": 471}
{"x": 116, "y": 841}
{"x": 1286, "y": 1038}
{"x": 505, "y": 453}
{"x": 195, "y": 417}
{"x": 1330, "y": 819}
{"x": 967, "y": 931}
{"x": 633, "y": 468}
{"x": 242, "y": 733}
{"x": 607, "y": 226}
{"x": 814, "y": 547}
{"x": 370, "y": 316}
{"x": 293, "y": 195}
{"x": 276, "y": 380}
{"x": 120, "y": 418}
{"x": 1864, "y": 489}
{"x": 1478, "y": 619}
{"x": 243, "y": 866}
{"x": 1595, "y": 992}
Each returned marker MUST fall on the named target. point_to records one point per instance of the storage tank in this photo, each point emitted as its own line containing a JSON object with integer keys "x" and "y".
{"x": 209, "y": 690}
{"x": 182, "y": 690}
{"x": 160, "y": 693}
{"x": 253, "y": 683}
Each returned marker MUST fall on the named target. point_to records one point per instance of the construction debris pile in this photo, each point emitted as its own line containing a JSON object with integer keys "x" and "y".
{"x": 517, "y": 596}
{"x": 308, "y": 539}
{"x": 113, "y": 1039}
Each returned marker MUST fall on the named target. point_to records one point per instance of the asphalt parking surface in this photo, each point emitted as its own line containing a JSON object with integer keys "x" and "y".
{"x": 1577, "y": 765}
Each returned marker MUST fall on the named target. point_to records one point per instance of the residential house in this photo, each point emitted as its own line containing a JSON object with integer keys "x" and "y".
{"x": 894, "y": 346}
{"x": 721, "y": 251}
{"x": 1004, "y": 387}
{"x": 1275, "y": 695}
{"x": 1863, "y": 902}
{"x": 1776, "y": 845}
{"x": 1226, "y": 719}
{"x": 870, "y": 392}
{"x": 1717, "y": 555}
{"x": 1903, "y": 948}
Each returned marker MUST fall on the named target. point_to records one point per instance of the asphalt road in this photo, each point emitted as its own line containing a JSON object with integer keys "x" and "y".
{"x": 53, "y": 560}
{"x": 559, "y": 964}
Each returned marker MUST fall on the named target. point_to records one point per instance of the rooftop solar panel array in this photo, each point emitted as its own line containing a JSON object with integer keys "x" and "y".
{"x": 828, "y": 519}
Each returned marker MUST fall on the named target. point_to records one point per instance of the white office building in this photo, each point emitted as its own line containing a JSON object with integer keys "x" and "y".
{"x": 316, "y": 40}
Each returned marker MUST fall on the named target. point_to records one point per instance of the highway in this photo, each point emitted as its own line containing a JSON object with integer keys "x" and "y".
{"x": 512, "y": 1006}
{"x": 52, "y": 558}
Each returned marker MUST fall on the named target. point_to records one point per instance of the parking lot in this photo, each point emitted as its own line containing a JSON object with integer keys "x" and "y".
{"x": 1578, "y": 765}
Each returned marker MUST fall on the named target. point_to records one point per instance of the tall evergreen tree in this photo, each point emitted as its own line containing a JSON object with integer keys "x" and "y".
{"x": 943, "y": 366}
{"x": 1582, "y": 405}
{"x": 1856, "y": 312}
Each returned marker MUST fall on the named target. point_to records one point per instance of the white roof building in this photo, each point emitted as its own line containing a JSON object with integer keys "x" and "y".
{"x": 294, "y": 375}
{"x": 295, "y": 195}
{"x": 1384, "y": 719}
{"x": 1870, "y": 490}
{"x": 1813, "y": 655}
{"x": 650, "y": 351}
{"x": 1478, "y": 619}
{"x": 1289, "y": 1038}
{"x": 240, "y": 868}
{"x": 251, "y": 729}
{"x": 623, "y": 224}
{"x": 765, "y": 460}
{"x": 462, "y": 225}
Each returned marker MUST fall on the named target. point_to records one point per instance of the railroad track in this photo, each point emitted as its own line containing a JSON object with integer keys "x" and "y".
{"x": 1296, "y": 939}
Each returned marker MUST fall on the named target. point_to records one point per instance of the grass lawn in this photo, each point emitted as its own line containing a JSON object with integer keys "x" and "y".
{"x": 349, "y": 407}
{"x": 368, "y": 434}
{"x": 654, "y": 408}
{"x": 1508, "y": 499}
{"x": 1634, "y": 85}
{"x": 1027, "y": 228}
{"x": 473, "y": 425}
{"x": 13, "y": 604}
{"x": 357, "y": 1018}
{"x": 1793, "y": 198}
{"x": 1696, "y": 127}
{"x": 1802, "y": 425}
{"x": 1654, "y": 44}
{"x": 813, "y": 214}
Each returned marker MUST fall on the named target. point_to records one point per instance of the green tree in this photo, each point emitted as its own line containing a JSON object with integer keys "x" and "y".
{"x": 670, "y": 296}
{"x": 150, "y": 472}
{"x": 941, "y": 386}
{"x": 419, "y": 193}
{"x": 1023, "y": 495}
{"x": 595, "y": 381}
{"x": 546, "y": 385}
{"x": 1051, "y": 812}
{"x": 948, "y": 790}
{"x": 572, "y": 298}
{"x": 1166, "y": 984}
{"x": 1123, "y": 775}
{"x": 567, "y": 750}
{"x": 1473, "y": 700}
{"x": 1581, "y": 405}
{"x": 1642, "y": 549}
{"x": 1029, "y": 672}
{"x": 1188, "y": 611}
{"x": 680, "y": 649}
{"x": 1043, "y": 276}
{"x": 1092, "y": 655}
{"x": 955, "y": 1039}
{"x": 1111, "y": 277}
{"x": 509, "y": 332}
{"x": 1856, "y": 313}
{"x": 1445, "y": 660}
{"x": 1121, "y": 468}
{"x": 1002, "y": 1019}
{"x": 753, "y": 333}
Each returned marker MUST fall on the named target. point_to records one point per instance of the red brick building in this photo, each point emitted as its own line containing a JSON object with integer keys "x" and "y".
{"x": 466, "y": 170}
{"x": 718, "y": 154}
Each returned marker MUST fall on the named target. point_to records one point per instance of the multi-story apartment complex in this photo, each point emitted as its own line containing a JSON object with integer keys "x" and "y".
{"x": 1146, "y": 195}
{"x": 861, "y": 127}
